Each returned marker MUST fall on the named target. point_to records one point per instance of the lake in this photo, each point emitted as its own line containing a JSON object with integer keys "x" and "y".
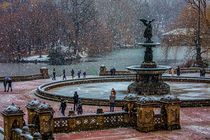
{"x": 120, "y": 59}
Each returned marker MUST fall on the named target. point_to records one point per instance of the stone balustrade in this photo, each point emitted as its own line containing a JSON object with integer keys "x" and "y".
{"x": 43, "y": 75}
{"x": 138, "y": 113}
{"x": 105, "y": 72}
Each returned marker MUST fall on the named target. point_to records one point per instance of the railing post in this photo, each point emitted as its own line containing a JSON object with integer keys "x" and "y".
{"x": 100, "y": 121}
{"x": 71, "y": 112}
{"x": 37, "y": 136}
{"x": 145, "y": 115}
{"x": 31, "y": 107}
{"x": 72, "y": 124}
{"x": 102, "y": 70}
{"x": 13, "y": 118}
{"x": 130, "y": 107}
{"x": 172, "y": 107}
{"x": 44, "y": 72}
{"x": 45, "y": 113}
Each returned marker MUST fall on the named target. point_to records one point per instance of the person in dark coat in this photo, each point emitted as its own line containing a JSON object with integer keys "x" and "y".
{"x": 79, "y": 107}
{"x": 111, "y": 71}
{"x": 202, "y": 72}
{"x": 63, "y": 107}
{"x": 79, "y": 73}
{"x": 178, "y": 71}
{"x": 72, "y": 73}
{"x": 84, "y": 74}
{"x": 64, "y": 74}
{"x": 9, "y": 81}
{"x": 5, "y": 84}
{"x": 114, "y": 70}
{"x": 76, "y": 97}
{"x": 54, "y": 74}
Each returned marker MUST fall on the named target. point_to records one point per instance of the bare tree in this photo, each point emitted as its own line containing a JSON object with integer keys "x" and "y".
{"x": 200, "y": 7}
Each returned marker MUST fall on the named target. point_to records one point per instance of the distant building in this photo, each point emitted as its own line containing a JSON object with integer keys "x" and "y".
{"x": 178, "y": 37}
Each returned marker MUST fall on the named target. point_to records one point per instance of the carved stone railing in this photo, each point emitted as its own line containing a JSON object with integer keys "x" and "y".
{"x": 90, "y": 122}
{"x": 105, "y": 72}
{"x": 159, "y": 121}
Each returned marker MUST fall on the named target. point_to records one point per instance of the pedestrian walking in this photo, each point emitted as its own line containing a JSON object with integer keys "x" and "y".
{"x": 76, "y": 97}
{"x": 178, "y": 71}
{"x": 72, "y": 73}
{"x": 64, "y": 74}
{"x": 5, "y": 84}
{"x": 54, "y": 74}
{"x": 171, "y": 71}
{"x": 9, "y": 81}
{"x": 79, "y": 73}
{"x": 113, "y": 91}
{"x": 63, "y": 107}
{"x": 114, "y": 70}
{"x": 84, "y": 74}
{"x": 202, "y": 72}
{"x": 79, "y": 107}
{"x": 111, "y": 71}
{"x": 112, "y": 98}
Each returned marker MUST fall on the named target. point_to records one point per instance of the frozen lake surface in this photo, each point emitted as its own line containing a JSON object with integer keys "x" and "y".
{"x": 102, "y": 90}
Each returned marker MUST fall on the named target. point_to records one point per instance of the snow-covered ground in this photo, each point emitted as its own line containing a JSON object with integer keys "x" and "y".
{"x": 36, "y": 57}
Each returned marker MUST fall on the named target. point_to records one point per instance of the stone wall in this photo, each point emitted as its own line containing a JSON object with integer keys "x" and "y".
{"x": 43, "y": 75}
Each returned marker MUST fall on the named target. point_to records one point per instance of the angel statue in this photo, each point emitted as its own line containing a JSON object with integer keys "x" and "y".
{"x": 148, "y": 30}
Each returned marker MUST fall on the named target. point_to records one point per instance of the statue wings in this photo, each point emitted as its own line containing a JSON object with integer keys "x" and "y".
{"x": 144, "y": 21}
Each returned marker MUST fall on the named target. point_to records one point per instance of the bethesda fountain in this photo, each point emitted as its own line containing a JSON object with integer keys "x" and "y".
{"x": 149, "y": 73}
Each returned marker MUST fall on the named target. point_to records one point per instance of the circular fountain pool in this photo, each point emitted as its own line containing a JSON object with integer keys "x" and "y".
{"x": 102, "y": 90}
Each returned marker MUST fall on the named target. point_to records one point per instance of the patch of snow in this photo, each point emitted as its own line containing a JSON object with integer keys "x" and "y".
{"x": 179, "y": 31}
{"x": 36, "y": 57}
{"x": 43, "y": 106}
{"x": 147, "y": 99}
{"x": 83, "y": 54}
{"x": 12, "y": 108}
{"x": 34, "y": 102}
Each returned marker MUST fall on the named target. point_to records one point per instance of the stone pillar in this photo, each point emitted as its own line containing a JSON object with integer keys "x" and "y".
{"x": 45, "y": 113}
{"x": 31, "y": 107}
{"x": 37, "y": 136}
{"x": 71, "y": 112}
{"x": 100, "y": 121}
{"x": 172, "y": 107}
{"x": 130, "y": 107}
{"x": 99, "y": 110}
{"x": 44, "y": 72}
{"x": 13, "y": 118}
{"x": 72, "y": 124}
{"x": 102, "y": 70}
{"x": 145, "y": 114}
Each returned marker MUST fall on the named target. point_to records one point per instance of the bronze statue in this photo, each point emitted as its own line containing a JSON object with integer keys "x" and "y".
{"x": 148, "y": 30}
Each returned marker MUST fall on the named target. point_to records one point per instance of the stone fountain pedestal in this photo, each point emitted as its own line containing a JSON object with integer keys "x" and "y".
{"x": 149, "y": 75}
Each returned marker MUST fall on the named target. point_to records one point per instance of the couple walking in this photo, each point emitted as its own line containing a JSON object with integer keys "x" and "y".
{"x": 77, "y": 103}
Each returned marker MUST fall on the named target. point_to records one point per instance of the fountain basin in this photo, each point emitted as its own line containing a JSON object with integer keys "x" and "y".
{"x": 139, "y": 70}
{"x": 149, "y": 44}
{"x": 192, "y": 92}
